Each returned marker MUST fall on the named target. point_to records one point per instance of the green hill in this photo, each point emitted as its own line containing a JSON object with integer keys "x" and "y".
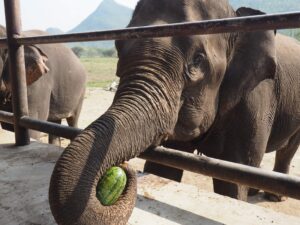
{"x": 54, "y": 30}
{"x": 272, "y": 6}
{"x": 269, "y": 6}
{"x": 109, "y": 15}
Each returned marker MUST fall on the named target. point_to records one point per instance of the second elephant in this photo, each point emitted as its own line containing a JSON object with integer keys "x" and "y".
{"x": 56, "y": 82}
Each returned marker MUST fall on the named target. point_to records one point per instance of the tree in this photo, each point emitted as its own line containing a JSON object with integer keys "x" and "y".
{"x": 297, "y": 35}
{"x": 109, "y": 52}
{"x": 78, "y": 51}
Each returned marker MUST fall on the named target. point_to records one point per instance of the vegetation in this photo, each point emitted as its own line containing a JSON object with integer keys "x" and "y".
{"x": 109, "y": 15}
{"x": 100, "y": 60}
{"x": 297, "y": 35}
{"x": 78, "y": 51}
{"x": 270, "y": 6}
{"x": 89, "y": 52}
{"x": 101, "y": 70}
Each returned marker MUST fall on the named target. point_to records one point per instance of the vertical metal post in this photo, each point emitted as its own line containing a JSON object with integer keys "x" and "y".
{"x": 17, "y": 69}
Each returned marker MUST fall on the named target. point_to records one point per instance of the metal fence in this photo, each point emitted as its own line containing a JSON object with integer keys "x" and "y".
{"x": 232, "y": 172}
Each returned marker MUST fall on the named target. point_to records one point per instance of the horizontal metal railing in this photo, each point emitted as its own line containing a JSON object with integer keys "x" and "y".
{"x": 49, "y": 127}
{"x": 249, "y": 23}
{"x": 273, "y": 182}
{"x": 236, "y": 173}
{"x": 232, "y": 172}
{"x": 6, "y": 117}
{"x": 42, "y": 126}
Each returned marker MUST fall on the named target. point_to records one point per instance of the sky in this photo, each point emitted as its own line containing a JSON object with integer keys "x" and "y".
{"x": 63, "y": 14}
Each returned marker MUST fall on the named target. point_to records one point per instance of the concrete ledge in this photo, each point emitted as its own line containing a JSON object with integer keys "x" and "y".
{"x": 163, "y": 202}
{"x": 24, "y": 180}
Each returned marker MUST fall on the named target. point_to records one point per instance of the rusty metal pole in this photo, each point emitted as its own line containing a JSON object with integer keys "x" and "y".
{"x": 237, "y": 24}
{"x": 17, "y": 69}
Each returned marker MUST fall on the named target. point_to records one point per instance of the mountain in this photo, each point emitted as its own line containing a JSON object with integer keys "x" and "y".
{"x": 269, "y": 6}
{"x": 109, "y": 15}
{"x": 272, "y": 6}
{"x": 54, "y": 30}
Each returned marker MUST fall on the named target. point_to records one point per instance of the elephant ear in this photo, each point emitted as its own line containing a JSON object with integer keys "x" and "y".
{"x": 4, "y": 68}
{"x": 35, "y": 61}
{"x": 253, "y": 60}
{"x": 3, "y": 51}
{"x": 2, "y": 61}
{"x": 2, "y": 31}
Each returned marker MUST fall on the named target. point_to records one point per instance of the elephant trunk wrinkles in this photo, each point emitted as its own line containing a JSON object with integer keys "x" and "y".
{"x": 140, "y": 116}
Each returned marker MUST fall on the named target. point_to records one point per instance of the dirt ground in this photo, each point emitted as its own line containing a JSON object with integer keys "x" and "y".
{"x": 97, "y": 101}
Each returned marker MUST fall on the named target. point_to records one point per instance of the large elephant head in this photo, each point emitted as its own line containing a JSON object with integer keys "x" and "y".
{"x": 169, "y": 91}
{"x": 35, "y": 63}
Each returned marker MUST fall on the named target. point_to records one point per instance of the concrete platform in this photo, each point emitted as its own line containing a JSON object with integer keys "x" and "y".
{"x": 24, "y": 181}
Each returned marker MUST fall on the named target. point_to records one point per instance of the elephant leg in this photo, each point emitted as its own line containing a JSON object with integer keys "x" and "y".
{"x": 35, "y": 134}
{"x": 7, "y": 126}
{"x": 239, "y": 191}
{"x": 52, "y": 138}
{"x": 166, "y": 171}
{"x": 247, "y": 144}
{"x": 73, "y": 120}
{"x": 283, "y": 160}
{"x": 231, "y": 190}
{"x": 163, "y": 171}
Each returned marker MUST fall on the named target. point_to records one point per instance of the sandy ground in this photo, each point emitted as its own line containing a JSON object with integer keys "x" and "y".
{"x": 97, "y": 101}
{"x": 24, "y": 181}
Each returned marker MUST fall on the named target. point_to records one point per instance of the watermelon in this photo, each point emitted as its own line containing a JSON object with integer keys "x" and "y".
{"x": 111, "y": 186}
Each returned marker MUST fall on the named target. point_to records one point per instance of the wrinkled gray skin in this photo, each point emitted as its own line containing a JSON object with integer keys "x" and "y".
{"x": 56, "y": 83}
{"x": 230, "y": 96}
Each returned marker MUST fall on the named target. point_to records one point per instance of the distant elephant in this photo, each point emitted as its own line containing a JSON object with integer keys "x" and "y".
{"x": 56, "y": 83}
{"x": 231, "y": 96}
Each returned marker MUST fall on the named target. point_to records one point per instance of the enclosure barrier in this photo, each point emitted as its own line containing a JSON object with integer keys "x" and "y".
{"x": 236, "y": 173}
{"x": 250, "y": 23}
{"x": 17, "y": 70}
{"x": 232, "y": 172}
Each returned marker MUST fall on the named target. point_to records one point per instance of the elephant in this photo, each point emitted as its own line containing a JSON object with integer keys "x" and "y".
{"x": 55, "y": 80}
{"x": 231, "y": 96}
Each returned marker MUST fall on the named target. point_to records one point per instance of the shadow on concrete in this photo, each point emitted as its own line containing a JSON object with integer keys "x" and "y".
{"x": 258, "y": 198}
{"x": 172, "y": 213}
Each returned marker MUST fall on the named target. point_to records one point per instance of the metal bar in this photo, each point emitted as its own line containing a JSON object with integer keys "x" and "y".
{"x": 43, "y": 126}
{"x": 51, "y": 128}
{"x": 17, "y": 69}
{"x": 250, "y": 23}
{"x": 3, "y": 43}
{"x": 232, "y": 172}
{"x": 6, "y": 117}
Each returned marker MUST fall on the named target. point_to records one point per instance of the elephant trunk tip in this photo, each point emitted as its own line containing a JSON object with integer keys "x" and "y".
{"x": 82, "y": 208}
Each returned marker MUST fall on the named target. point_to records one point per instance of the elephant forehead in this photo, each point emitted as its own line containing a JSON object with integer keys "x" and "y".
{"x": 207, "y": 9}
{"x": 149, "y": 12}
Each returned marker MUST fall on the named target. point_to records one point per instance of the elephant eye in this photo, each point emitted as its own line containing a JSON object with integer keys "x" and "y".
{"x": 199, "y": 58}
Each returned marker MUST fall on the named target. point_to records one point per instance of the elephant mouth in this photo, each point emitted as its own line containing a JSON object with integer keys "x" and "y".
{"x": 6, "y": 98}
{"x": 185, "y": 134}
{"x": 190, "y": 144}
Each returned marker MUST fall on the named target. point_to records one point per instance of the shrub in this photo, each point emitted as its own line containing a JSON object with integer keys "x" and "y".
{"x": 78, "y": 51}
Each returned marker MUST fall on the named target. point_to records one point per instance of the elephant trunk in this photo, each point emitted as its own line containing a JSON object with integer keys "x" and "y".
{"x": 143, "y": 112}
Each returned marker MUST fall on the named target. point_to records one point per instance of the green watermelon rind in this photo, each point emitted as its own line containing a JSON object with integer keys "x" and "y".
{"x": 111, "y": 186}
